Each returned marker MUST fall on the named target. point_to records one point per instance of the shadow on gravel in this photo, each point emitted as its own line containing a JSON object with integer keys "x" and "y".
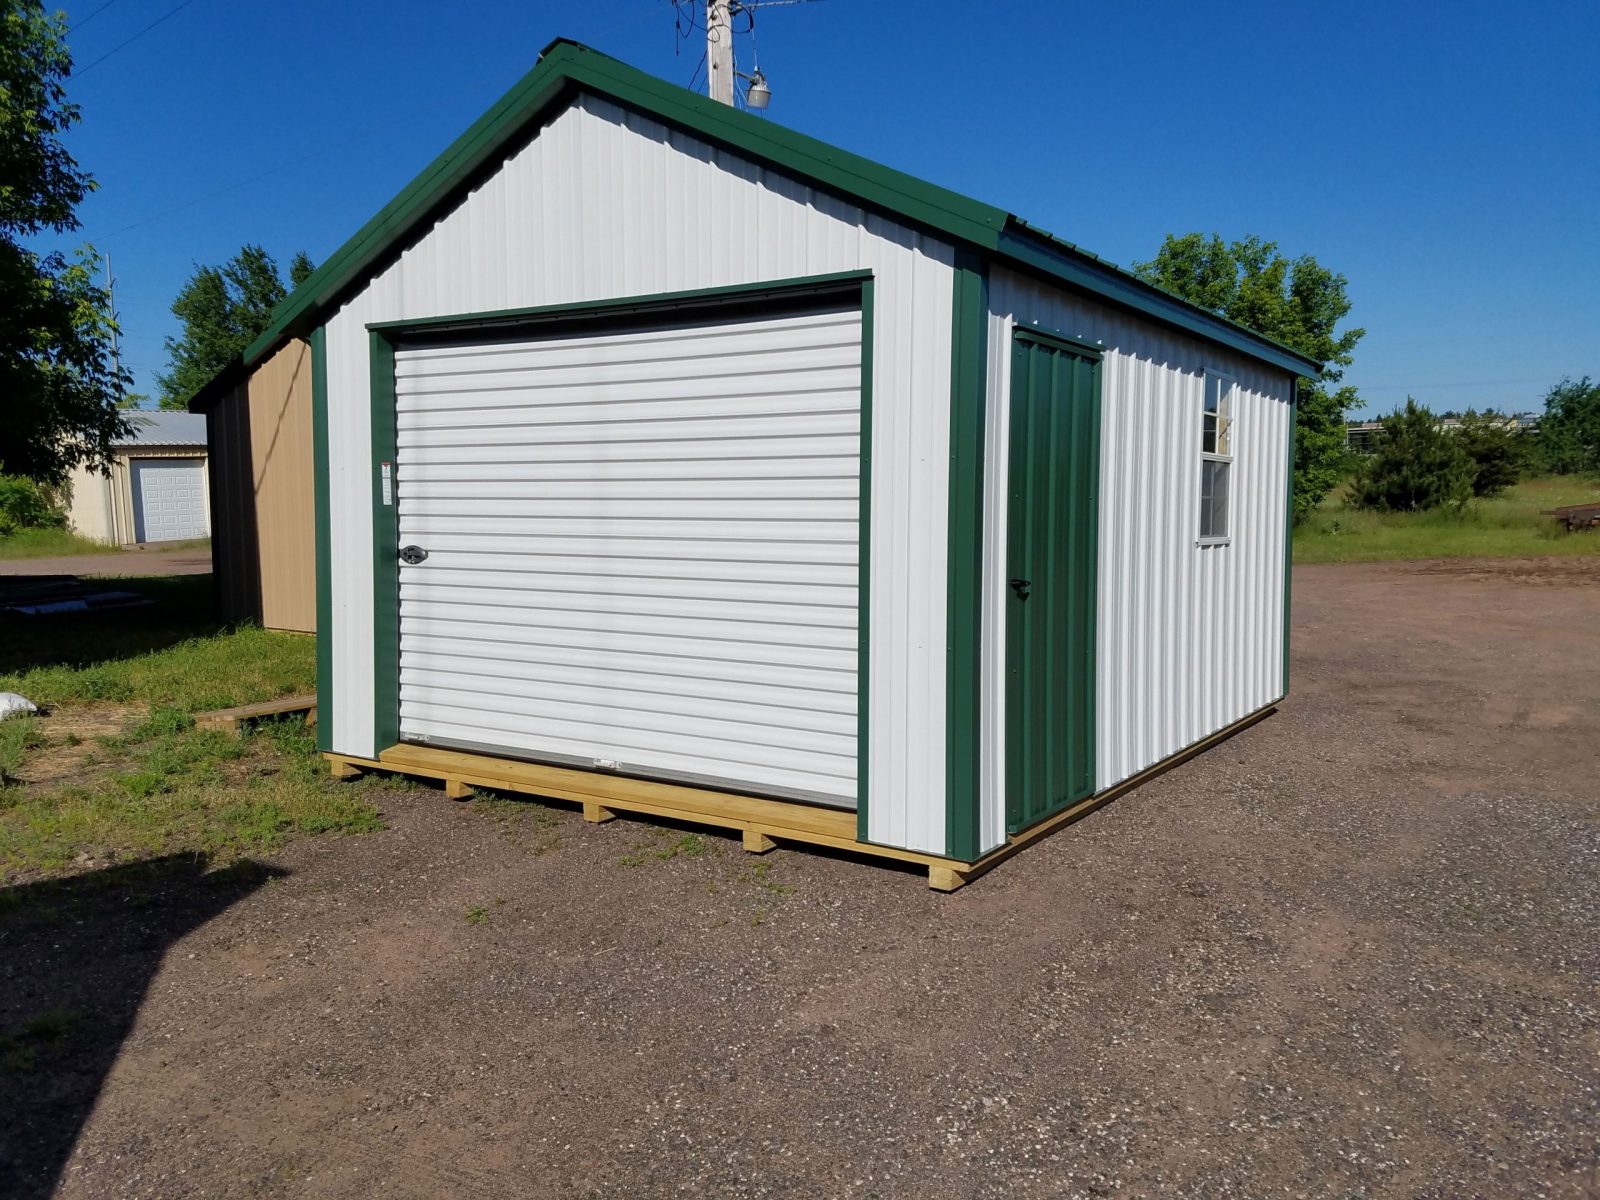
{"x": 76, "y": 957}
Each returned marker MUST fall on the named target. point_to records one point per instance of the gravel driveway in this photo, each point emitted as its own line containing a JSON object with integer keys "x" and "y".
{"x": 1352, "y": 952}
{"x": 150, "y": 560}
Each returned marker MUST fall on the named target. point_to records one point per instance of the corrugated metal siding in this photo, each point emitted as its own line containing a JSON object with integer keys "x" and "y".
{"x": 1190, "y": 638}
{"x": 642, "y": 549}
{"x": 235, "y": 559}
{"x": 604, "y": 203}
{"x": 263, "y": 521}
{"x": 280, "y": 448}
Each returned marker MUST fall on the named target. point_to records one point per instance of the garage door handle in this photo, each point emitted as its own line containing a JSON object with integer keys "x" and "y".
{"x": 1021, "y": 587}
{"x": 412, "y": 555}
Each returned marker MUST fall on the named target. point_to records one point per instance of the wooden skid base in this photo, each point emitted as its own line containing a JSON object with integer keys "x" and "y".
{"x": 229, "y": 719}
{"x": 762, "y": 823}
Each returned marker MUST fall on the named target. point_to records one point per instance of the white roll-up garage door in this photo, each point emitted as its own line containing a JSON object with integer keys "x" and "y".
{"x": 642, "y": 549}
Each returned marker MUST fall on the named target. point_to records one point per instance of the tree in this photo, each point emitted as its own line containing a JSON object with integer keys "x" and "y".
{"x": 300, "y": 268}
{"x": 1297, "y": 302}
{"x": 1569, "y": 431}
{"x": 1494, "y": 445}
{"x": 223, "y": 310}
{"x": 1416, "y": 464}
{"x": 58, "y": 384}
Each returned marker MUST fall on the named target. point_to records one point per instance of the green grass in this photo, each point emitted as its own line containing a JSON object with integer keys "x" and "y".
{"x": 50, "y": 543}
{"x": 160, "y": 786}
{"x": 62, "y": 543}
{"x": 170, "y": 788}
{"x": 172, "y": 654}
{"x": 1506, "y": 526}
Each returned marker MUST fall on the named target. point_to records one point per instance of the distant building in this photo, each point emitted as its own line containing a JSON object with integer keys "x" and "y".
{"x": 1362, "y": 436}
{"x": 156, "y": 491}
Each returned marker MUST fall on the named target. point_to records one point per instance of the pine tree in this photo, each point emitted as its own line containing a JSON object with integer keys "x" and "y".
{"x": 1416, "y": 465}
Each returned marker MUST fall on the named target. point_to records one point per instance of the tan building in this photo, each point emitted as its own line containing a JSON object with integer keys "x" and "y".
{"x": 258, "y": 429}
{"x": 157, "y": 490}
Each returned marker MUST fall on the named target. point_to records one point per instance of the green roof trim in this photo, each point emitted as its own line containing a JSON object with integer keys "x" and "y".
{"x": 566, "y": 67}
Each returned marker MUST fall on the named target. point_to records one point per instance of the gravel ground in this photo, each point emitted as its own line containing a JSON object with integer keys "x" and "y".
{"x": 143, "y": 560}
{"x": 1352, "y": 952}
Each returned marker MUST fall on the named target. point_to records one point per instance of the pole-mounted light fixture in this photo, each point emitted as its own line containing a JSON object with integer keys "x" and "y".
{"x": 758, "y": 94}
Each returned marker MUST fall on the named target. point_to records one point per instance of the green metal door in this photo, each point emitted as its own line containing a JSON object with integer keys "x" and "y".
{"x": 1051, "y": 543}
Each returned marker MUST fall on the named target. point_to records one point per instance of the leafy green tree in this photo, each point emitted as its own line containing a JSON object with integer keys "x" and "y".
{"x": 1569, "y": 431}
{"x": 223, "y": 310}
{"x": 1494, "y": 444}
{"x": 1297, "y": 302}
{"x": 1415, "y": 465}
{"x": 300, "y": 268}
{"x": 58, "y": 384}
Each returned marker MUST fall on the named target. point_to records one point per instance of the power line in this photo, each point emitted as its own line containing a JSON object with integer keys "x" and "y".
{"x": 129, "y": 40}
{"x": 256, "y": 178}
{"x": 80, "y": 24}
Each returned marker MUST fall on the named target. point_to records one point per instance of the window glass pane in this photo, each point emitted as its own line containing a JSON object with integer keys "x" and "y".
{"x": 1223, "y": 435}
{"x": 1213, "y": 393}
{"x": 1208, "y": 435}
{"x": 1214, "y": 498}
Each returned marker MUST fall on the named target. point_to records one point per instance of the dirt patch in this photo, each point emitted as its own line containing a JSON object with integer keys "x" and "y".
{"x": 1350, "y": 952}
{"x": 1571, "y": 571}
{"x": 71, "y": 753}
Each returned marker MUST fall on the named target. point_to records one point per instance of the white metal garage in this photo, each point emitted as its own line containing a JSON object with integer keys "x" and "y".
{"x": 641, "y": 549}
{"x": 669, "y": 461}
{"x": 169, "y": 499}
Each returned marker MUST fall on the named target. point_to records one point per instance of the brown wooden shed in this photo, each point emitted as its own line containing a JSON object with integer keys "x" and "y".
{"x": 263, "y": 532}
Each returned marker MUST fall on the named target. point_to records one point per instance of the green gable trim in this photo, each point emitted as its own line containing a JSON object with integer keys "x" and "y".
{"x": 319, "y": 492}
{"x": 566, "y": 68}
{"x": 969, "y": 367}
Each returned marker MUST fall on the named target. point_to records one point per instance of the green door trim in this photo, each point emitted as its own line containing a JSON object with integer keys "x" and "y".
{"x": 1049, "y": 337}
{"x": 1052, "y": 533}
{"x": 547, "y": 319}
{"x": 963, "y": 679}
{"x": 385, "y": 549}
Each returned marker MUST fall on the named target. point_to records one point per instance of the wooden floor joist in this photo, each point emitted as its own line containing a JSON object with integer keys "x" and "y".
{"x": 229, "y": 719}
{"x": 761, "y": 822}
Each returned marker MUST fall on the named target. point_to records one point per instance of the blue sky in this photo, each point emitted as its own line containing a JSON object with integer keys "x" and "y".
{"x": 1446, "y": 158}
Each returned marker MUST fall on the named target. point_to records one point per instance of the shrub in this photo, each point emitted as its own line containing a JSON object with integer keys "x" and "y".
{"x": 1569, "y": 431}
{"x": 1495, "y": 446}
{"x": 26, "y": 505}
{"x": 1415, "y": 465}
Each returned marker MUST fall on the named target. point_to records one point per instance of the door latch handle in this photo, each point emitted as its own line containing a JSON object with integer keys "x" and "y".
{"x": 412, "y": 555}
{"x": 1021, "y": 587}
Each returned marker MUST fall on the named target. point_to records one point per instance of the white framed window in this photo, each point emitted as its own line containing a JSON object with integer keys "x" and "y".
{"x": 1216, "y": 460}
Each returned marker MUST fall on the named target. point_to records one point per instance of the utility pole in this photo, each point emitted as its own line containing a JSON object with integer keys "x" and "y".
{"x": 116, "y": 338}
{"x": 719, "y": 50}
